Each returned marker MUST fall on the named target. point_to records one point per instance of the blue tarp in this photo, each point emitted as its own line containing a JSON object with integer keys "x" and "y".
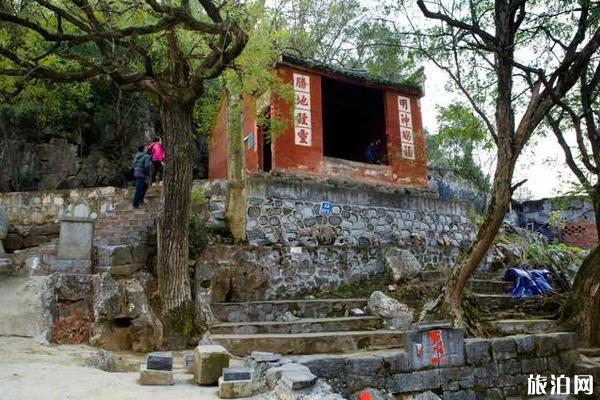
{"x": 528, "y": 282}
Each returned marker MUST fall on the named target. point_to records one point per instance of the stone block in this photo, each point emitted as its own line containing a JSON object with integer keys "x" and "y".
{"x": 189, "y": 362}
{"x": 324, "y": 367}
{"x": 545, "y": 344}
{"x": 423, "y": 347}
{"x": 368, "y": 393}
{"x": 162, "y": 361}
{"x": 566, "y": 340}
{"x": 75, "y": 239}
{"x": 235, "y": 389}
{"x": 155, "y": 377}
{"x": 533, "y": 365}
{"x": 397, "y": 362}
{"x": 113, "y": 255}
{"x": 503, "y": 348}
{"x": 509, "y": 367}
{"x": 273, "y": 375}
{"x": 237, "y": 374}
{"x": 525, "y": 343}
{"x": 477, "y": 351}
{"x": 71, "y": 266}
{"x": 261, "y": 356}
{"x": 570, "y": 358}
{"x": 364, "y": 365}
{"x": 209, "y": 363}
{"x": 297, "y": 380}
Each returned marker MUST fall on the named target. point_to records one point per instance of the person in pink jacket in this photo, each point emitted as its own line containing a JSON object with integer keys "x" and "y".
{"x": 157, "y": 151}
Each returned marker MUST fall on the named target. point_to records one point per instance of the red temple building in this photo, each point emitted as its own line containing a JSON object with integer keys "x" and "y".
{"x": 342, "y": 124}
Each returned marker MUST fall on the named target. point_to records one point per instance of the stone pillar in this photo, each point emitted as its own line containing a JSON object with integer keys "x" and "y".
{"x": 75, "y": 245}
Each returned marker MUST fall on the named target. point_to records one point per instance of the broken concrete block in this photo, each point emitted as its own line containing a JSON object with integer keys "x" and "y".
{"x": 209, "y": 362}
{"x": 235, "y": 389}
{"x": 273, "y": 375}
{"x": 154, "y": 377}
{"x": 161, "y": 361}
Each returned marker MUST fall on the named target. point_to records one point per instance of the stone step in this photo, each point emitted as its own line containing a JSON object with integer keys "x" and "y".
{"x": 515, "y": 326}
{"x": 300, "y": 326}
{"x": 590, "y": 352}
{"x": 494, "y": 302}
{"x": 486, "y": 286}
{"x": 267, "y": 310}
{"x": 434, "y": 275}
{"x": 311, "y": 343}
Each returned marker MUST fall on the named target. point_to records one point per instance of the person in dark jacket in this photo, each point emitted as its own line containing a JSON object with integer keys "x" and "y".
{"x": 142, "y": 172}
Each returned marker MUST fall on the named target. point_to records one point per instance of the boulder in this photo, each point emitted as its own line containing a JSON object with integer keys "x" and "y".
{"x": 103, "y": 360}
{"x": 402, "y": 264}
{"x": 123, "y": 318}
{"x": 243, "y": 283}
{"x": 395, "y": 313}
{"x": 209, "y": 363}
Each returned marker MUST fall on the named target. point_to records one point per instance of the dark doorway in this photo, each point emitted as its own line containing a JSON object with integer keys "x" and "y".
{"x": 264, "y": 134}
{"x": 353, "y": 122}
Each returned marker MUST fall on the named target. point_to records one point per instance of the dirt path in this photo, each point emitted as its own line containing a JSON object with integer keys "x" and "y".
{"x": 31, "y": 371}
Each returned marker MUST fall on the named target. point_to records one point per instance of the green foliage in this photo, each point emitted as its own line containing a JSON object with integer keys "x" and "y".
{"x": 460, "y": 135}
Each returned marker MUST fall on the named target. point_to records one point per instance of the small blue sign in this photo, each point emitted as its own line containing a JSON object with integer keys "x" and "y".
{"x": 326, "y": 207}
{"x": 249, "y": 141}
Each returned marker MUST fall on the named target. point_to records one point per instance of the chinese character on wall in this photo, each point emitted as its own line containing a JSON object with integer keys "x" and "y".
{"x": 406, "y": 128}
{"x": 302, "y": 115}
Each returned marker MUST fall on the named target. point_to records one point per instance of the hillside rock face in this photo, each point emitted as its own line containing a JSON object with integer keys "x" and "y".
{"x": 123, "y": 318}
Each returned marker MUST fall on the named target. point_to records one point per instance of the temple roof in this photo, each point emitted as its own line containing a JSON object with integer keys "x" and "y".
{"x": 357, "y": 76}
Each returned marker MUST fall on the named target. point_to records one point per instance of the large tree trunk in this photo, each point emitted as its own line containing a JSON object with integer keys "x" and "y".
{"x": 499, "y": 204}
{"x": 236, "y": 202}
{"x": 173, "y": 223}
{"x": 582, "y": 309}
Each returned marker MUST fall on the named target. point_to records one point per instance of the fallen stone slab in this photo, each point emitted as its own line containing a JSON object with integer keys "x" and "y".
{"x": 154, "y": 377}
{"x": 234, "y": 389}
{"x": 262, "y": 356}
{"x": 209, "y": 363}
{"x": 273, "y": 375}
{"x": 161, "y": 361}
{"x": 237, "y": 374}
{"x": 298, "y": 379}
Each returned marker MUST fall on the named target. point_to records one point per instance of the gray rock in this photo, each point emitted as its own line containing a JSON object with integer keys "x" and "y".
{"x": 103, "y": 360}
{"x": 503, "y": 348}
{"x": 286, "y": 317}
{"x": 397, "y": 314}
{"x": 428, "y": 395}
{"x": 273, "y": 375}
{"x": 261, "y": 356}
{"x": 357, "y": 312}
{"x": 298, "y": 379}
{"x": 477, "y": 351}
{"x": 402, "y": 264}
{"x": 162, "y": 361}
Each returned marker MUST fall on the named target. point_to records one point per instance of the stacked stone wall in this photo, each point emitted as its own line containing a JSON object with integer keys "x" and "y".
{"x": 287, "y": 212}
{"x": 495, "y": 368}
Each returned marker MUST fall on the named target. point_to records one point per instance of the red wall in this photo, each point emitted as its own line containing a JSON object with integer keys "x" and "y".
{"x": 286, "y": 154}
{"x": 217, "y": 149}
{"x": 406, "y": 172}
{"x": 580, "y": 234}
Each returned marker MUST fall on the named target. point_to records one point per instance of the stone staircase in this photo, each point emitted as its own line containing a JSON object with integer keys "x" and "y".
{"x": 508, "y": 314}
{"x": 125, "y": 225}
{"x": 324, "y": 326}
